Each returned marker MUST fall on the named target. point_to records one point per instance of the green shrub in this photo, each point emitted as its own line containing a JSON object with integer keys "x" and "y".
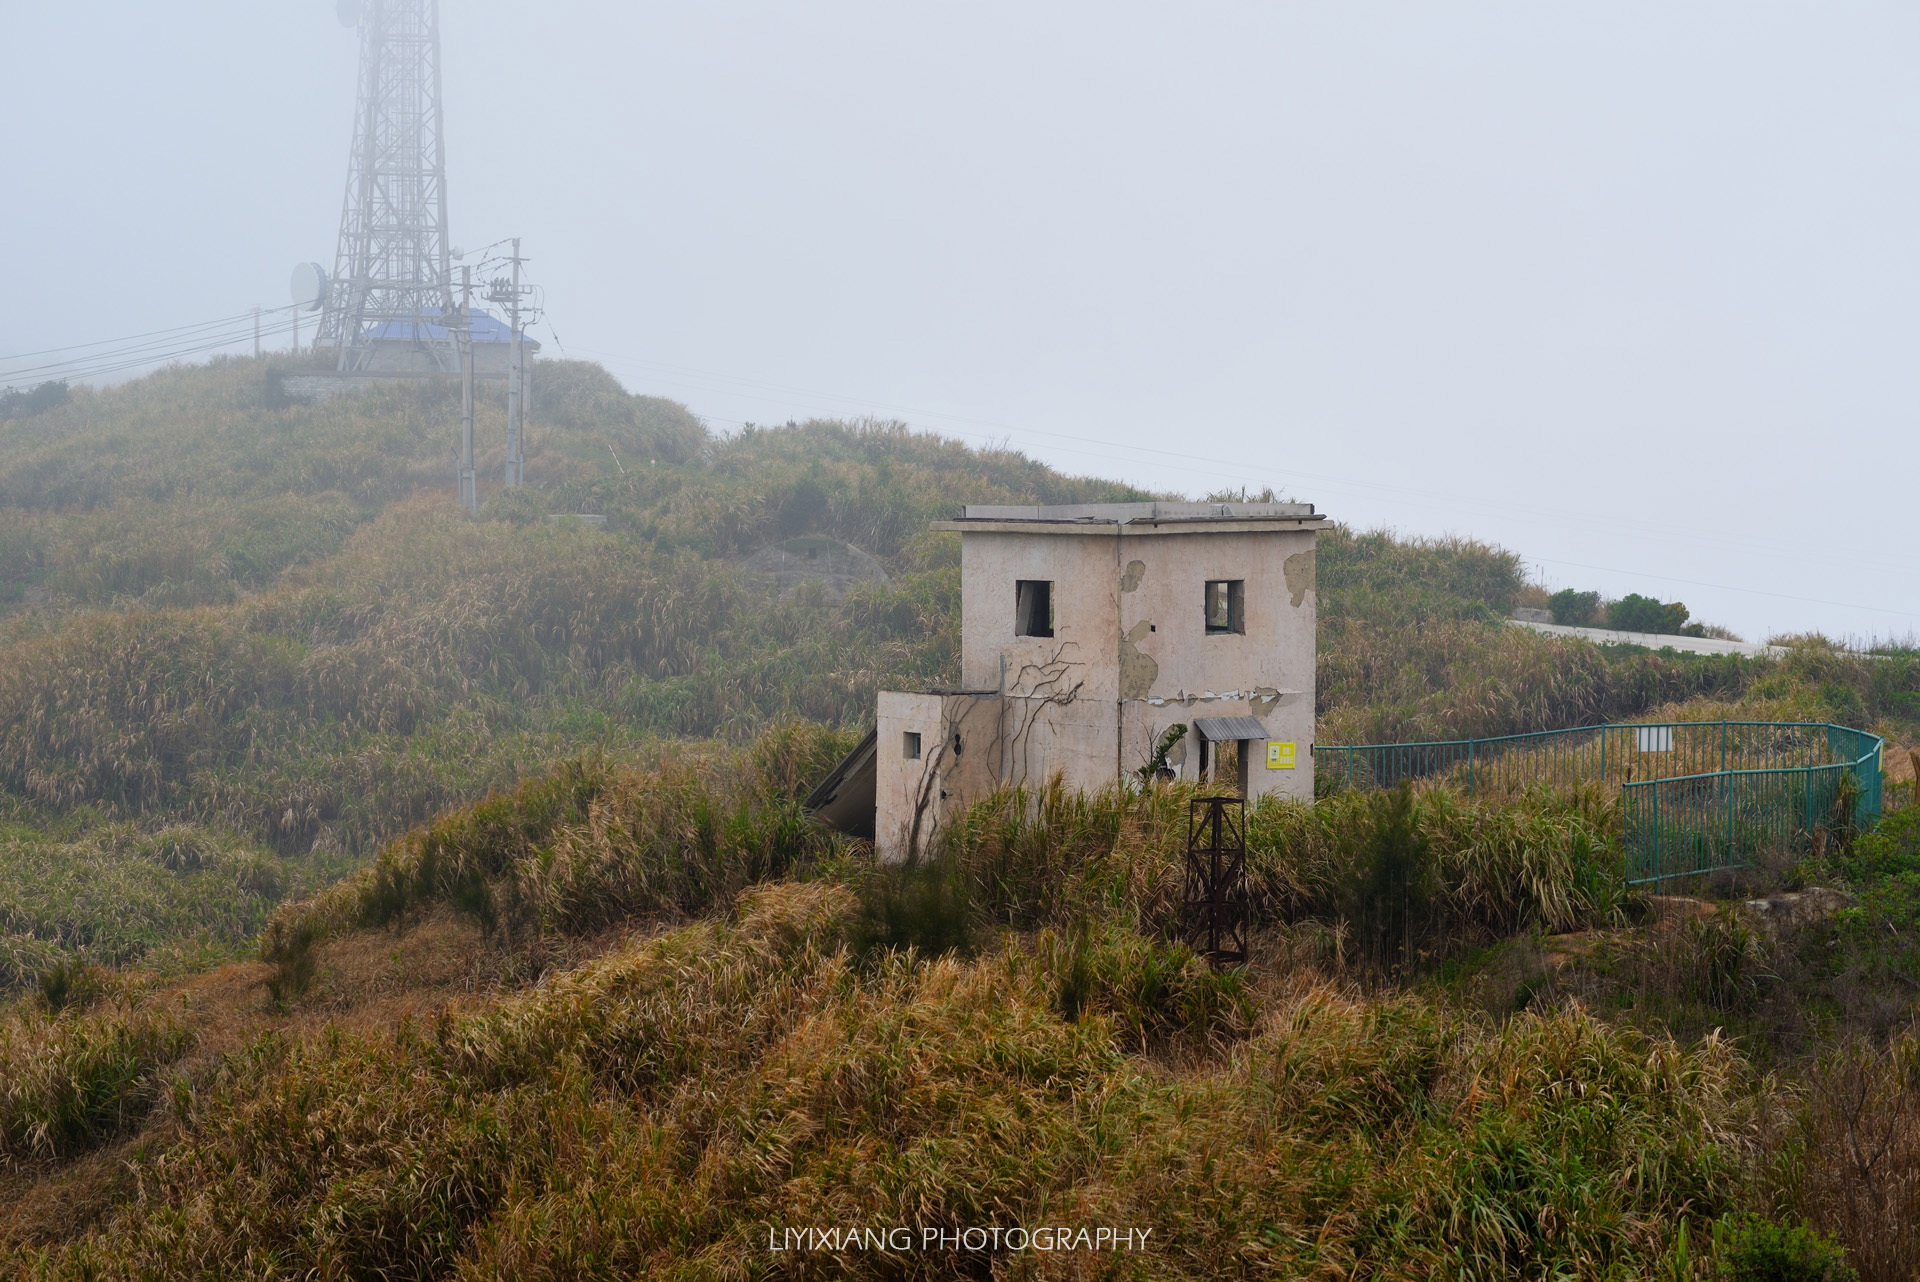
{"x": 588, "y": 844}
{"x": 172, "y": 899}
{"x": 1636, "y": 613}
{"x": 26, "y": 402}
{"x": 1716, "y": 958}
{"x": 70, "y": 981}
{"x": 1753, "y": 1249}
{"x": 660, "y": 1106}
{"x": 1157, "y": 770}
{"x": 1153, "y": 990}
{"x": 922, "y": 905}
{"x": 1890, "y": 849}
{"x": 287, "y": 946}
{"x": 1572, "y": 608}
{"x": 1384, "y": 893}
{"x": 1390, "y": 675}
{"x": 1433, "y": 866}
{"x": 71, "y": 1080}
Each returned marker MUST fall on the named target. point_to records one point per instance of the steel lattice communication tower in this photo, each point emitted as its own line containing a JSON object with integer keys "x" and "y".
{"x": 391, "y": 278}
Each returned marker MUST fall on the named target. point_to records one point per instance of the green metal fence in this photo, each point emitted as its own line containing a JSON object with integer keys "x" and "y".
{"x": 1696, "y": 796}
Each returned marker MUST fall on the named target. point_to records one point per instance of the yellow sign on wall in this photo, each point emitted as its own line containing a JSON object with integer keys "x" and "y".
{"x": 1279, "y": 756}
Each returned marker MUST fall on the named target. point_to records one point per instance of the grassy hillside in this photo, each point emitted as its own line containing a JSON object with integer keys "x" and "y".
{"x": 272, "y": 620}
{"x": 734, "y": 1027}
{"x": 266, "y": 626}
{"x": 555, "y": 977}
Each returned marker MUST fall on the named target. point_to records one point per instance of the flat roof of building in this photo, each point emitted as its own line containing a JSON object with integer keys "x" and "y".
{"x": 1067, "y": 517}
{"x": 1130, "y": 512}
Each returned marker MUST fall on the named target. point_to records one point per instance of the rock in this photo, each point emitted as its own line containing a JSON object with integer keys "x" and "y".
{"x": 1814, "y": 904}
{"x": 1678, "y": 907}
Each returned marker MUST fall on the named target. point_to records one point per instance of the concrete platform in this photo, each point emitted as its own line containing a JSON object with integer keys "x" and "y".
{"x": 1656, "y": 640}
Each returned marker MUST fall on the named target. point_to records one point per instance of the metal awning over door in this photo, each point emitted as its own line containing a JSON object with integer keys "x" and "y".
{"x": 1228, "y": 729}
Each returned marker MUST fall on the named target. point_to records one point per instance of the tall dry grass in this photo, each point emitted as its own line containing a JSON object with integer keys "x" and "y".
{"x": 591, "y": 843}
{"x": 1053, "y": 856}
{"x": 73, "y": 1078}
{"x": 1850, "y": 1154}
{"x": 167, "y": 898}
{"x": 267, "y": 628}
{"x": 757, "y": 1060}
{"x": 266, "y": 617}
{"x": 656, "y": 1111}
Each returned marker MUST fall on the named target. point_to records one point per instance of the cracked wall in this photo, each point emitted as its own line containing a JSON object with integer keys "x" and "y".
{"x": 1138, "y": 670}
{"x": 1266, "y": 672}
{"x": 1129, "y": 656}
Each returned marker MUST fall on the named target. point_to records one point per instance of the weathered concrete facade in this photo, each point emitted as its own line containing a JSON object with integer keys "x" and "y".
{"x": 1088, "y": 631}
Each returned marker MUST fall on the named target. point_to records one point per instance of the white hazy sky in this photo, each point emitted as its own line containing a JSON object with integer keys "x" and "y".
{"x": 1631, "y": 288}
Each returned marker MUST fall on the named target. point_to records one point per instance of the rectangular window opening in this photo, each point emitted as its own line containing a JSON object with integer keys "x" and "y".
{"x": 1226, "y": 606}
{"x": 1032, "y": 608}
{"x": 910, "y": 745}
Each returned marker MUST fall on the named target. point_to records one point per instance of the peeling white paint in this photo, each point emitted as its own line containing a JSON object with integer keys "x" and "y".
{"x": 1129, "y": 654}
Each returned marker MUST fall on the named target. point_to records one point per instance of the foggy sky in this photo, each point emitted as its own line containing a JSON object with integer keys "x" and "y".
{"x": 1629, "y": 288}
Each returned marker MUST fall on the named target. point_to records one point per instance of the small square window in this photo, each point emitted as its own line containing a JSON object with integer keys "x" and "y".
{"x": 1226, "y": 606}
{"x": 910, "y": 745}
{"x": 1032, "y": 608}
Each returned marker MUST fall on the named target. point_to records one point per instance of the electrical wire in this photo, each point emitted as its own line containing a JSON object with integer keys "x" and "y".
{"x": 163, "y": 337}
{"x": 111, "y": 362}
{"x": 204, "y": 335}
{"x": 159, "y": 346}
{"x": 484, "y": 248}
{"x": 237, "y": 334}
{"x": 108, "y": 342}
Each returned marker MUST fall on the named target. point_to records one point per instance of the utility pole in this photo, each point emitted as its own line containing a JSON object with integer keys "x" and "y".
{"x": 469, "y": 491}
{"x": 515, "y": 373}
{"x": 256, "y": 333}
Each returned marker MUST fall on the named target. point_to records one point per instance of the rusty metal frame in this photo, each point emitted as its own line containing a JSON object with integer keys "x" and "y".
{"x": 1216, "y": 906}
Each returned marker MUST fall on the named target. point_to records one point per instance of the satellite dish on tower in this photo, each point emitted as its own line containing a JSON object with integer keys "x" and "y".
{"x": 310, "y": 286}
{"x": 349, "y": 11}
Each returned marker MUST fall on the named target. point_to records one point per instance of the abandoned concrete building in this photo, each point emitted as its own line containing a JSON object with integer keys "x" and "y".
{"x": 1087, "y": 633}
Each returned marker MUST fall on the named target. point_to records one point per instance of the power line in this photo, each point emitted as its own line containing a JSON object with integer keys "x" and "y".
{"x": 134, "y": 356}
{"x": 105, "y": 342}
{"x": 160, "y": 346}
{"x": 185, "y": 343}
{"x": 116, "y": 361}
